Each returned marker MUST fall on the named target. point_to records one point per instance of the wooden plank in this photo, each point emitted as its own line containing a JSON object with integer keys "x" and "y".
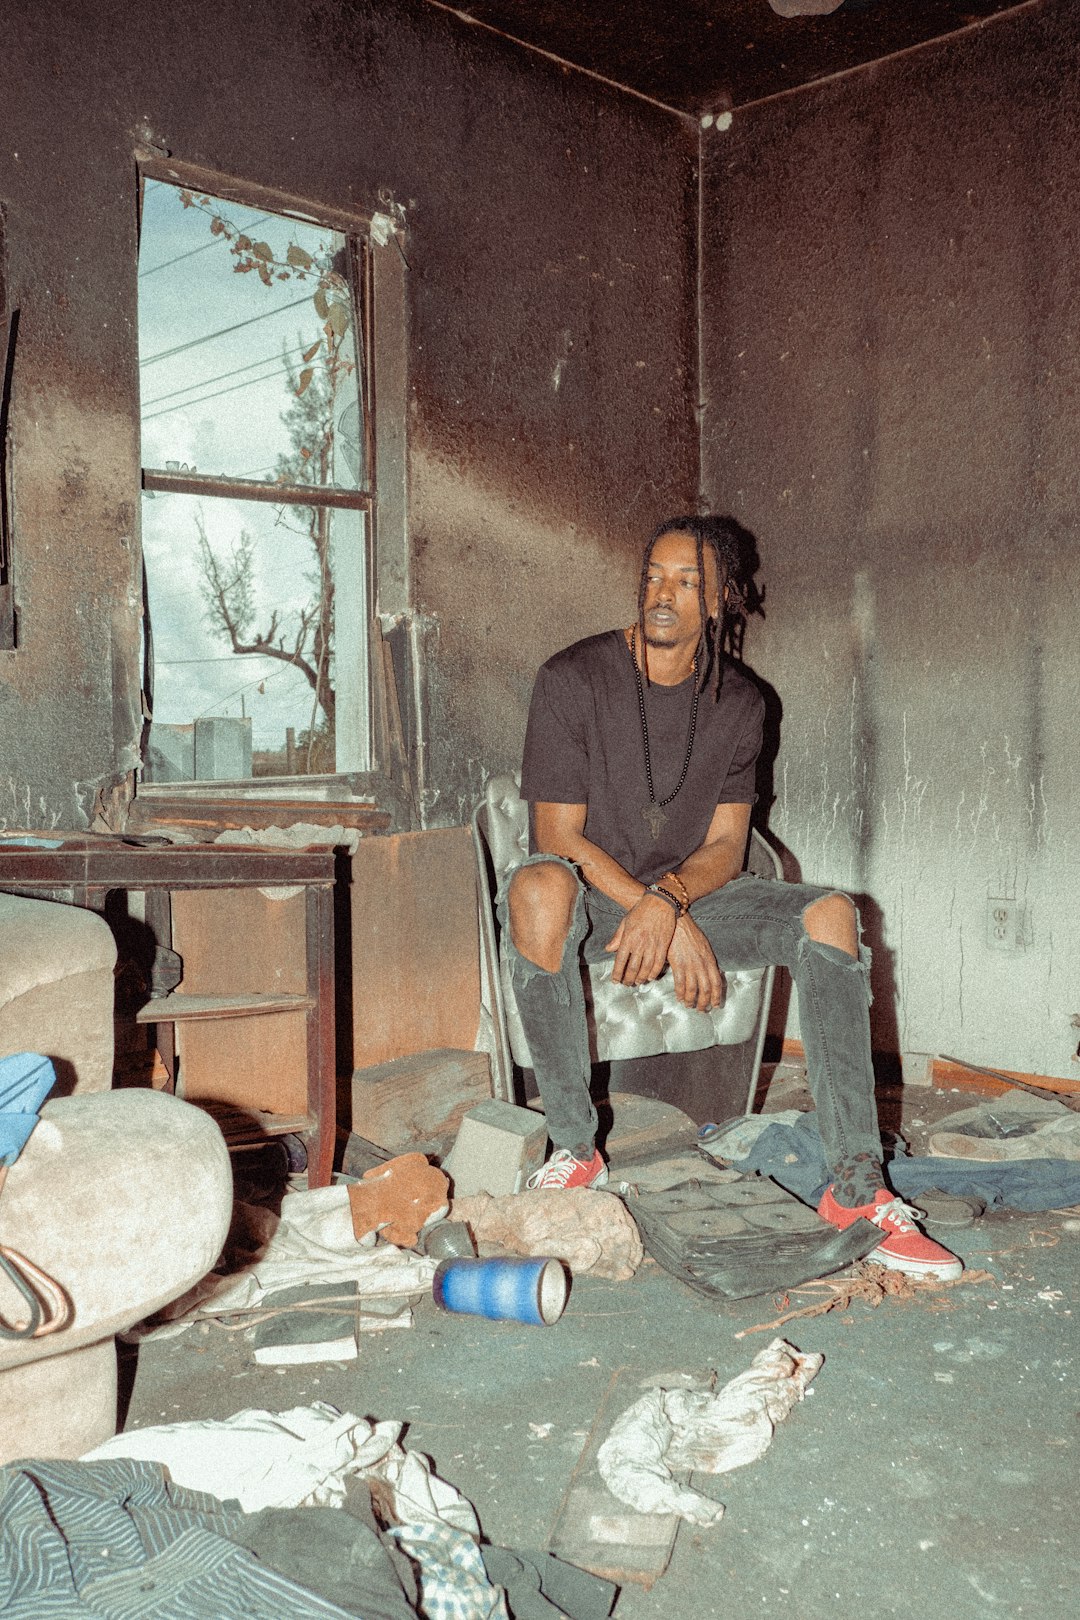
{"x": 252, "y": 1125}
{"x": 211, "y": 816}
{"x": 415, "y": 945}
{"x": 418, "y": 1102}
{"x": 179, "y": 1007}
{"x": 952, "y": 1076}
{"x": 593, "y": 1529}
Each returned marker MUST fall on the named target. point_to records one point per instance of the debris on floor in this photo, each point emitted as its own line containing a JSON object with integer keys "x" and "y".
{"x": 741, "y": 1236}
{"x": 284, "y": 1470}
{"x": 1014, "y": 1125}
{"x": 867, "y": 1283}
{"x": 794, "y": 1157}
{"x": 685, "y": 1430}
{"x": 589, "y": 1230}
{"x": 396, "y": 1200}
{"x": 507, "y": 1288}
{"x": 311, "y": 1241}
{"x": 299, "y": 1458}
{"x": 593, "y": 1529}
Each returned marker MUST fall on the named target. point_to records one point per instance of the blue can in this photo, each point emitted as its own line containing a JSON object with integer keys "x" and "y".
{"x": 532, "y": 1289}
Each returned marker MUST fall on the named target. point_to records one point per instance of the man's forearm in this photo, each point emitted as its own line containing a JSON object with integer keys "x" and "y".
{"x": 709, "y": 868}
{"x": 706, "y": 869}
{"x": 597, "y": 867}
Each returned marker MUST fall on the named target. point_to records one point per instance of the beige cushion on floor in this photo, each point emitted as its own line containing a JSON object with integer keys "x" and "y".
{"x": 125, "y": 1199}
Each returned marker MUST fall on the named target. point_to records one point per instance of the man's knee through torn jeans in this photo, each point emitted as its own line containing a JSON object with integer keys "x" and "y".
{"x": 749, "y": 922}
{"x": 552, "y": 1011}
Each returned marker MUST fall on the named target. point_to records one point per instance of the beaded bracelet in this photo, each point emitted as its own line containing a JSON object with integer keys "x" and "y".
{"x": 666, "y": 894}
{"x": 684, "y": 893}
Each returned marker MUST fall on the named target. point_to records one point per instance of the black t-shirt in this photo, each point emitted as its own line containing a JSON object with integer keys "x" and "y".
{"x": 583, "y": 745}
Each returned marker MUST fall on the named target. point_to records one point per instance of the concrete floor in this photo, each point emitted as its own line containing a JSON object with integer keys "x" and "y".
{"x": 930, "y": 1472}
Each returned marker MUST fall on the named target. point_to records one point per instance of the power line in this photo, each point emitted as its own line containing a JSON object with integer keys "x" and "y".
{"x": 191, "y": 252}
{"x": 205, "y": 382}
{"x": 202, "y": 399}
{"x": 208, "y": 337}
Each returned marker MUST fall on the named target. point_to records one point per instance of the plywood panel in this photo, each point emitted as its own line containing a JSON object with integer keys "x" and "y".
{"x": 415, "y": 945}
{"x": 233, "y": 941}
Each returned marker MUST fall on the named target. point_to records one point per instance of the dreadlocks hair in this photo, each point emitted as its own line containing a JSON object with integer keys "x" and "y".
{"x": 720, "y": 536}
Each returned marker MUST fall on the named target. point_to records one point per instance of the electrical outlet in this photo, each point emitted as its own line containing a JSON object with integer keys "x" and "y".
{"x": 1004, "y": 924}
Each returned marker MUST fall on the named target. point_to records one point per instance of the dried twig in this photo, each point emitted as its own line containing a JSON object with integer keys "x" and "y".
{"x": 866, "y": 1282}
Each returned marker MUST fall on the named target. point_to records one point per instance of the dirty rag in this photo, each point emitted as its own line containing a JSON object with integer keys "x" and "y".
{"x": 687, "y": 1430}
{"x": 540, "y": 1586}
{"x": 312, "y": 1241}
{"x": 454, "y": 1584}
{"x": 589, "y": 1230}
{"x": 298, "y": 1458}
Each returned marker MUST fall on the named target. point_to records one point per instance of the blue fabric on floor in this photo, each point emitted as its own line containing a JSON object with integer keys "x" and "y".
{"x": 26, "y": 1079}
{"x": 793, "y": 1156}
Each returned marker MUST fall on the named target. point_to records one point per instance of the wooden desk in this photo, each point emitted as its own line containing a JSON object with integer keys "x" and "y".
{"x": 86, "y": 867}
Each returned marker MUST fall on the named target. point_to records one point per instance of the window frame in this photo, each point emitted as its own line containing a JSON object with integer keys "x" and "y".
{"x": 377, "y": 262}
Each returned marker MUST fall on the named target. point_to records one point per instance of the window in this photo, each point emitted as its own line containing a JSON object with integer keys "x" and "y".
{"x": 257, "y": 488}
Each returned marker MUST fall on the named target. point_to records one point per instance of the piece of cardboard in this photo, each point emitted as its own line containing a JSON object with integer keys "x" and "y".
{"x": 593, "y": 1529}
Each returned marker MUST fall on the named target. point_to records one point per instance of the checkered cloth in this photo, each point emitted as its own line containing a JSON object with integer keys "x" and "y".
{"x": 453, "y": 1581}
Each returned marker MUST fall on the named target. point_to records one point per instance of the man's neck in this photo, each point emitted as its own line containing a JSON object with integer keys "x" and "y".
{"x": 666, "y": 666}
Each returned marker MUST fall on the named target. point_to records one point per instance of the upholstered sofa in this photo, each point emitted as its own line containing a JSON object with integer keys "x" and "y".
{"x": 122, "y": 1197}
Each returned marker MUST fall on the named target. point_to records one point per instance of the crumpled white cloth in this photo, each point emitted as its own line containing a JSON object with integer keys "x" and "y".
{"x": 298, "y": 1458}
{"x": 311, "y": 1242}
{"x": 696, "y": 1429}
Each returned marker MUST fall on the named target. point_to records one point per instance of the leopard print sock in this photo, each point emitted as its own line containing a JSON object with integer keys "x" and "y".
{"x": 856, "y": 1181}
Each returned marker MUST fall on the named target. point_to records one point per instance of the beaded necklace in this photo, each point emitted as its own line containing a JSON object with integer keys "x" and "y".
{"x": 653, "y": 812}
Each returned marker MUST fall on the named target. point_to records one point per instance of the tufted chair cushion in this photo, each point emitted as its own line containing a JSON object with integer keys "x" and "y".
{"x": 625, "y": 1021}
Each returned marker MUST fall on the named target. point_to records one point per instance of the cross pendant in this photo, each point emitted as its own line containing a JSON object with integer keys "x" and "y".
{"x": 656, "y": 818}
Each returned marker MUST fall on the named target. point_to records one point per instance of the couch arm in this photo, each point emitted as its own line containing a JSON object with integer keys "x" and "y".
{"x": 56, "y": 989}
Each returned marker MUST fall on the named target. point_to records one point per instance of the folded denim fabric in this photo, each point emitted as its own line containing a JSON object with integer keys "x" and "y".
{"x": 793, "y": 1156}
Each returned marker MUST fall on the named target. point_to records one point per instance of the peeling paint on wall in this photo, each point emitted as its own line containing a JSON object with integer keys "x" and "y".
{"x": 894, "y": 354}
{"x": 550, "y": 248}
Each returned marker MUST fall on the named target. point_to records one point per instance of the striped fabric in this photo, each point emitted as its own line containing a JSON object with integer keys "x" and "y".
{"x": 118, "y": 1541}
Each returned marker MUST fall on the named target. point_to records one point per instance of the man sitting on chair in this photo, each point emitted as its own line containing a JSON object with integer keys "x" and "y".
{"x": 639, "y": 772}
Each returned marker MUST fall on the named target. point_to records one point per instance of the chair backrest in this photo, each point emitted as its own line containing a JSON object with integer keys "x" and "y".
{"x": 502, "y": 821}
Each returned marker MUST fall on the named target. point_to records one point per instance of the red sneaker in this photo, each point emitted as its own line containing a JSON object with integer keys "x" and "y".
{"x": 562, "y": 1170}
{"x": 905, "y": 1248}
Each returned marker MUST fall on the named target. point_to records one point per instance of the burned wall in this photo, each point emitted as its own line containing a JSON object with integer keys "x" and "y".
{"x": 892, "y": 271}
{"x": 551, "y": 340}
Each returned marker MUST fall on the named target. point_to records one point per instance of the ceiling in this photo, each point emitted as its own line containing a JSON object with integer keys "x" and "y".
{"x": 703, "y": 55}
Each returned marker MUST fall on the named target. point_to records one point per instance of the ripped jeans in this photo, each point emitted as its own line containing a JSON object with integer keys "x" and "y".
{"x": 749, "y": 922}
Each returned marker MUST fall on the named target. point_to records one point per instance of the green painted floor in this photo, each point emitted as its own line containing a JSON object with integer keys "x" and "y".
{"x": 931, "y": 1472}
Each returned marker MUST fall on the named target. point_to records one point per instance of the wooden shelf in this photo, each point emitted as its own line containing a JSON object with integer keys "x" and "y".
{"x": 178, "y": 1007}
{"x": 250, "y": 1126}
{"x": 87, "y": 867}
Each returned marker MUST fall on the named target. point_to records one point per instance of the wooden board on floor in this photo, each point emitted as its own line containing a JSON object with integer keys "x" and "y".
{"x": 593, "y": 1529}
{"x": 415, "y": 1104}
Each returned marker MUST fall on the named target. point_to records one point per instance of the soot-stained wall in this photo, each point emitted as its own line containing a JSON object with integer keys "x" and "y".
{"x": 551, "y": 340}
{"x": 892, "y": 370}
